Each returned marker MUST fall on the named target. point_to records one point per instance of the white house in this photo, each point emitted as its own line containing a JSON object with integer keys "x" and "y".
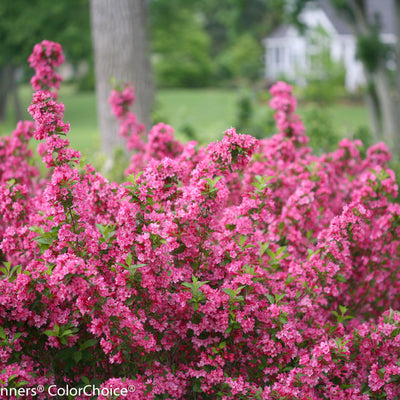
{"x": 288, "y": 53}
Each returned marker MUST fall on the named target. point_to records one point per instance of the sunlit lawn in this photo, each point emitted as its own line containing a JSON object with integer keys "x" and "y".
{"x": 209, "y": 112}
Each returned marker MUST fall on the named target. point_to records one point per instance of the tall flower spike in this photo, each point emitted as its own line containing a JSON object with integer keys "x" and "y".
{"x": 289, "y": 123}
{"x": 45, "y": 110}
{"x": 45, "y": 58}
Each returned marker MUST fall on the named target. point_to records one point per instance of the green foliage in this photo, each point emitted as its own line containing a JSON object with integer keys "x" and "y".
{"x": 198, "y": 296}
{"x": 320, "y": 129}
{"x": 326, "y": 78}
{"x": 119, "y": 163}
{"x": 363, "y": 133}
{"x": 245, "y": 112}
{"x": 26, "y": 22}
{"x": 323, "y": 131}
{"x": 86, "y": 83}
{"x": 189, "y": 37}
{"x": 253, "y": 119}
{"x": 228, "y": 20}
{"x": 322, "y": 91}
{"x": 242, "y": 60}
{"x": 371, "y": 51}
{"x": 182, "y": 52}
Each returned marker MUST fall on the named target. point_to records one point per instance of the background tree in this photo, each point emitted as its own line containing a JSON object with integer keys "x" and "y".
{"x": 208, "y": 42}
{"x": 24, "y": 23}
{"x": 382, "y": 97}
{"x": 180, "y": 45}
{"x": 237, "y": 28}
{"x": 119, "y": 34}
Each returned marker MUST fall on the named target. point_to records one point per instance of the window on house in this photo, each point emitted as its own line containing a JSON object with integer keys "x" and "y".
{"x": 343, "y": 56}
{"x": 277, "y": 55}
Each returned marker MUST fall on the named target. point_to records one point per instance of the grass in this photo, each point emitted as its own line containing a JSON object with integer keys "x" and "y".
{"x": 80, "y": 111}
{"x": 209, "y": 112}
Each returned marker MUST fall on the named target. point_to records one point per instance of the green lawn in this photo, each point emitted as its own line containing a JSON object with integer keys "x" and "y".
{"x": 80, "y": 111}
{"x": 209, "y": 112}
{"x": 349, "y": 117}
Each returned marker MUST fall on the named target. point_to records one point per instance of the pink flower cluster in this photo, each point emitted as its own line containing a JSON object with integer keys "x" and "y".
{"x": 285, "y": 105}
{"x": 160, "y": 141}
{"x": 245, "y": 270}
{"x": 45, "y": 110}
{"x": 45, "y": 58}
{"x": 234, "y": 149}
{"x": 130, "y": 128}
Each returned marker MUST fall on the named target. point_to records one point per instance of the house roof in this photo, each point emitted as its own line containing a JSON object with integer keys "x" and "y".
{"x": 381, "y": 11}
{"x": 338, "y": 22}
{"x": 384, "y": 11}
{"x": 279, "y": 32}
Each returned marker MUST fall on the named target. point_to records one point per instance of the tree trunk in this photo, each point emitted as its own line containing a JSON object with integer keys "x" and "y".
{"x": 384, "y": 105}
{"x": 19, "y": 115}
{"x": 397, "y": 44}
{"x": 372, "y": 103}
{"x": 389, "y": 107}
{"x": 6, "y": 74}
{"x": 119, "y": 32}
{"x": 397, "y": 52}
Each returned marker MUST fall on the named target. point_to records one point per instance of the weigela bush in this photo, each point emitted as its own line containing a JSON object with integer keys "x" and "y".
{"x": 245, "y": 270}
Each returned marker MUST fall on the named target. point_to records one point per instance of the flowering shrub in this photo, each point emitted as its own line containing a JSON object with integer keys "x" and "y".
{"x": 245, "y": 270}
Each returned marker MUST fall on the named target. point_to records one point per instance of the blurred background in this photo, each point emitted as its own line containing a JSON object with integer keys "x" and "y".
{"x": 211, "y": 64}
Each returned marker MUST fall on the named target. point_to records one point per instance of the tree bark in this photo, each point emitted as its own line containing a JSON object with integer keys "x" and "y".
{"x": 389, "y": 107}
{"x": 372, "y": 103}
{"x": 397, "y": 45}
{"x": 397, "y": 53}
{"x": 384, "y": 106}
{"x": 14, "y": 86}
{"x": 6, "y": 74}
{"x": 119, "y": 33}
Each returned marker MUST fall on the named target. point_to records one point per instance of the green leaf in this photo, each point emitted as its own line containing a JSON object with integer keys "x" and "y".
{"x": 66, "y": 333}
{"x": 129, "y": 260}
{"x": 50, "y": 333}
{"x": 88, "y": 343}
{"x": 85, "y": 380}
{"x": 395, "y": 332}
{"x": 283, "y": 319}
{"x": 270, "y": 298}
{"x": 77, "y": 356}
{"x": 11, "y": 182}
{"x": 197, "y": 386}
{"x": 340, "y": 278}
{"x": 100, "y": 228}
{"x": 44, "y": 240}
{"x": 2, "y": 333}
{"x": 263, "y": 248}
{"x": 343, "y": 309}
{"x": 134, "y": 268}
{"x": 230, "y": 292}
